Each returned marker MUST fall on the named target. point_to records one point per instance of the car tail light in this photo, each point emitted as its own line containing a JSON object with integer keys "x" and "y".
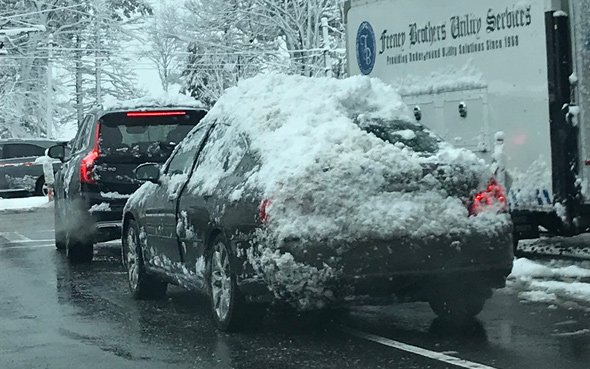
{"x": 493, "y": 196}
{"x": 263, "y": 211}
{"x": 139, "y": 114}
{"x": 87, "y": 163}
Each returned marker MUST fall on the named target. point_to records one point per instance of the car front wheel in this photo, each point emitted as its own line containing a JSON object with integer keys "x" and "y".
{"x": 142, "y": 285}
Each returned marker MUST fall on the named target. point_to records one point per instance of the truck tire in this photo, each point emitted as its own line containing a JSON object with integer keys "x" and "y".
{"x": 143, "y": 286}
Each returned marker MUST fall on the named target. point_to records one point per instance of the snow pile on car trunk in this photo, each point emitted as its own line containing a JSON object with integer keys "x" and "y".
{"x": 330, "y": 180}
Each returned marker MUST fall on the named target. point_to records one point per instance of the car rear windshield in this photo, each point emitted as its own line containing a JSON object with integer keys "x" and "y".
{"x": 152, "y": 137}
{"x": 412, "y": 135}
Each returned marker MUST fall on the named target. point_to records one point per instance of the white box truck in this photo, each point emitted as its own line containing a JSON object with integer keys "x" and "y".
{"x": 508, "y": 79}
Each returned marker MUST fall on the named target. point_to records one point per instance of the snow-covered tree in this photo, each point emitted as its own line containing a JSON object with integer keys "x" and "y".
{"x": 74, "y": 26}
{"x": 164, "y": 46}
{"x": 233, "y": 39}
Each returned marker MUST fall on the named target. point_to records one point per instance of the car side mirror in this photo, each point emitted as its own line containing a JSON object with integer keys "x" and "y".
{"x": 57, "y": 152}
{"x": 148, "y": 172}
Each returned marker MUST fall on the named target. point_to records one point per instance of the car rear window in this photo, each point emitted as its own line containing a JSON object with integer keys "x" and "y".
{"x": 12, "y": 151}
{"x": 412, "y": 135}
{"x": 151, "y": 136}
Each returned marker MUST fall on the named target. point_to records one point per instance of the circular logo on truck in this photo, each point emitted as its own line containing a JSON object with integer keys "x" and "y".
{"x": 366, "y": 48}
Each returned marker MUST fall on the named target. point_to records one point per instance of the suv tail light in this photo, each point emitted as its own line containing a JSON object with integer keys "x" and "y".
{"x": 493, "y": 196}
{"x": 263, "y": 211}
{"x": 140, "y": 114}
{"x": 87, "y": 163}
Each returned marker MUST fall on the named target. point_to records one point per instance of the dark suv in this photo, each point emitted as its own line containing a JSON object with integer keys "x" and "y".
{"x": 97, "y": 177}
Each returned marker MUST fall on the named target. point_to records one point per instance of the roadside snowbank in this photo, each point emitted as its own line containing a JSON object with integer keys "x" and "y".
{"x": 24, "y": 204}
{"x": 550, "y": 281}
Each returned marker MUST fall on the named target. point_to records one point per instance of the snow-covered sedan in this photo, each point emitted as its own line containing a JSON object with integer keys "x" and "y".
{"x": 317, "y": 192}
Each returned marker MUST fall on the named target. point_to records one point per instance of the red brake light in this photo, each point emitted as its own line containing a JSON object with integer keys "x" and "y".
{"x": 493, "y": 196}
{"x": 263, "y": 211}
{"x": 87, "y": 163}
{"x": 138, "y": 114}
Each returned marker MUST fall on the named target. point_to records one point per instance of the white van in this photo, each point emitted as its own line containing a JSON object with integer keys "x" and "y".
{"x": 508, "y": 79}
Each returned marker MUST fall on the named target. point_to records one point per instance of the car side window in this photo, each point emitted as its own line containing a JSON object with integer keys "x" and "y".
{"x": 22, "y": 151}
{"x": 82, "y": 137}
{"x": 184, "y": 156}
{"x": 1, "y": 151}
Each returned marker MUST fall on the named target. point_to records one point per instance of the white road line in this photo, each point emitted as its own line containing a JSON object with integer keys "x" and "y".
{"x": 27, "y": 247}
{"x": 13, "y": 236}
{"x": 27, "y": 241}
{"x": 416, "y": 350}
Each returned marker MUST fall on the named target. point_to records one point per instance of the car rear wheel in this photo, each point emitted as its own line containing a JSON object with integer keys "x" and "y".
{"x": 41, "y": 188}
{"x": 60, "y": 236}
{"x": 229, "y": 307}
{"x": 79, "y": 250}
{"x": 142, "y": 285}
{"x": 459, "y": 304}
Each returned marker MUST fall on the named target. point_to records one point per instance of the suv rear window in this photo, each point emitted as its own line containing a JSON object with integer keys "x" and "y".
{"x": 147, "y": 137}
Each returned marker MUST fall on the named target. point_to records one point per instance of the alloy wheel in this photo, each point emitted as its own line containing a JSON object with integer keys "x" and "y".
{"x": 132, "y": 258}
{"x": 221, "y": 285}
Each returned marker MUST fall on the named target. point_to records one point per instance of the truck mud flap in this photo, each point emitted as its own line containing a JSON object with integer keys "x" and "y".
{"x": 564, "y": 135}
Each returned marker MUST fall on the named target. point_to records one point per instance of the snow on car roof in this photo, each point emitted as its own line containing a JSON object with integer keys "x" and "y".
{"x": 324, "y": 174}
{"x": 151, "y": 102}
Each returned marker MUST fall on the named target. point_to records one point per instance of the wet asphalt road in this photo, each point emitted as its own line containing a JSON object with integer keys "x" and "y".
{"x": 56, "y": 316}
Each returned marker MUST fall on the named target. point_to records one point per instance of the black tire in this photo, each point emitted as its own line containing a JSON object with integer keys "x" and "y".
{"x": 79, "y": 250}
{"x": 229, "y": 308}
{"x": 39, "y": 187}
{"x": 60, "y": 233}
{"x": 142, "y": 285}
{"x": 459, "y": 305}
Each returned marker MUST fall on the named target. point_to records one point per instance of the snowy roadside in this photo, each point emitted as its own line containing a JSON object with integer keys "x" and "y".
{"x": 24, "y": 204}
{"x": 551, "y": 282}
{"x": 574, "y": 247}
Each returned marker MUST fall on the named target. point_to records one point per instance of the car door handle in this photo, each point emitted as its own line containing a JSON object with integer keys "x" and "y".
{"x": 172, "y": 197}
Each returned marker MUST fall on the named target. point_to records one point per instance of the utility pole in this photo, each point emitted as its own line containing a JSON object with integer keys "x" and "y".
{"x": 326, "y": 42}
{"x": 49, "y": 96}
{"x": 98, "y": 61}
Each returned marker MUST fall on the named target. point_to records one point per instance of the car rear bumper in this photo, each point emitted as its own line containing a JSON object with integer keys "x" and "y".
{"x": 411, "y": 268}
{"x": 105, "y": 214}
